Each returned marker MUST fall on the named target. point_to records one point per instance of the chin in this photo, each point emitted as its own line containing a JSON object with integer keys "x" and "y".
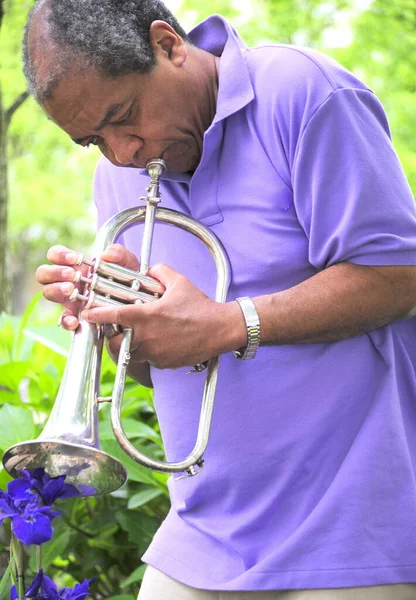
{"x": 181, "y": 163}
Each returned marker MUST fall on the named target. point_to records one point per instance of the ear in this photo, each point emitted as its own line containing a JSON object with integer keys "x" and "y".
{"x": 166, "y": 43}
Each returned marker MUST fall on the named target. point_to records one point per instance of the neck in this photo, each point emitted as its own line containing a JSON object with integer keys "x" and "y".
{"x": 206, "y": 84}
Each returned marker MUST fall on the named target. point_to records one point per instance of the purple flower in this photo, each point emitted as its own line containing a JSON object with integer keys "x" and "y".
{"x": 33, "y": 524}
{"x": 28, "y": 504}
{"x": 49, "y": 488}
{"x": 31, "y": 521}
{"x": 44, "y": 588}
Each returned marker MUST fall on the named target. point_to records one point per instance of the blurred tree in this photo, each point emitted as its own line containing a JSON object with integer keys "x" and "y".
{"x": 383, "y": 53}
{"x": 49, "y": 177}
{"x": 6, "y": 115}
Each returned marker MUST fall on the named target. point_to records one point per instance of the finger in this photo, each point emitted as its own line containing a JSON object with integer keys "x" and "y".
{"x": 54, "y": 273}
{"x": 111, "y": 330}
{"x": 166, "y": 275}
{"x": 61, "y": 255}
{"x": 68, "y": 321}
{"x": 116, "y": 253}
{"x": 124, "y": 315}
{"x": 58, "y": 292}
{"x": 113, "y": 344}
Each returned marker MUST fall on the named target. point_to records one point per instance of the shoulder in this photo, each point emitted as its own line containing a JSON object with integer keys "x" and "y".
{"x": 297, "y": 69}
{"x": 290, "y": 85}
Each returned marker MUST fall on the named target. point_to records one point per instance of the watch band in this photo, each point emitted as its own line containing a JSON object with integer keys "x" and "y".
{"x": 253, "y": 329}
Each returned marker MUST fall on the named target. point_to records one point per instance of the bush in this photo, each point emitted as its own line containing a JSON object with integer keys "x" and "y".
{"x": 102, "y": 536}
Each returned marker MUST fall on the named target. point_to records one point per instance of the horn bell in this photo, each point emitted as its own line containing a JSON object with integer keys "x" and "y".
{"x": 69, "y": 443}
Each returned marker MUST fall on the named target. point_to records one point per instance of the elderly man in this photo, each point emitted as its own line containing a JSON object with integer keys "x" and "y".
{"x": 308, "y": 491}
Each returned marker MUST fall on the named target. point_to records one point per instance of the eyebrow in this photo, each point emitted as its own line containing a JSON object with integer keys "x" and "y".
{"x": 112, "y": 111}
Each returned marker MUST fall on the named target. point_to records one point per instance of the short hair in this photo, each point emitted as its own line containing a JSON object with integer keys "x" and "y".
{"x": 112, "y": 36}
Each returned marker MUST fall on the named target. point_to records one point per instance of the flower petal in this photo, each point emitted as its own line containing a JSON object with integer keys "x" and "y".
{"x": 13, "y": 593}
{"x": 36, "y": 530}
{"x": 35, "y": 586}
{"x": 82, "y": 590}
{"x": 49, "y": 588}
{"x": 19, "y": 489}
{"x": 7, "y": 510}
{"x": 52, "y": 490}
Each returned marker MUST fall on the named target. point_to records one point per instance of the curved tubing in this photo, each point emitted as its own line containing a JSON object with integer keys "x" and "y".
{"x": 107, "y": 235}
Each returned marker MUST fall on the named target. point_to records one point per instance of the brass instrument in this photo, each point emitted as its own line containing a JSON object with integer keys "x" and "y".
{"x": 69, "y": 443}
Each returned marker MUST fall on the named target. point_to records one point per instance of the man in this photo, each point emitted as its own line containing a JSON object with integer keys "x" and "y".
{"x": 308, "y": 490}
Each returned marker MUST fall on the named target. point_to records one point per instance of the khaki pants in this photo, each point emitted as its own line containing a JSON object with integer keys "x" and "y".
{"x": 157, "y": 586}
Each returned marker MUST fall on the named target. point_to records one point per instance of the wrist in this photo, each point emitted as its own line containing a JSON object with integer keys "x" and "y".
{"x": 252, "y": 322}
{"x": 232, "y": 332}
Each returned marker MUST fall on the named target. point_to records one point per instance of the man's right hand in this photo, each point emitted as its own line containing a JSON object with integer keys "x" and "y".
{"x": 57, "y": 278}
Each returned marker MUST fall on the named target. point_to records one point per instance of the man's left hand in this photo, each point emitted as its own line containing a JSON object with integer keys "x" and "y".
{"x": 183, "y": 328}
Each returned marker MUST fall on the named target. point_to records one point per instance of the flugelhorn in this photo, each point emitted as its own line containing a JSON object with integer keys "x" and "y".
{"x": 69, "y": 443}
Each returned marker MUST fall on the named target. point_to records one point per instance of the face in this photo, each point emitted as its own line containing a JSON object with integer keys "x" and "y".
{"x": 135, "y": 117}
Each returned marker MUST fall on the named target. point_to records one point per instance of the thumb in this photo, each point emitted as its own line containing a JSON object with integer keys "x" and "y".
{"x": 165, "y": 274}
{"x": 116, "y": 253}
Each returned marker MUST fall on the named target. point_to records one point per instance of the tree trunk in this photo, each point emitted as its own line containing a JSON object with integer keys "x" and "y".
{"x": 5, "y": 295}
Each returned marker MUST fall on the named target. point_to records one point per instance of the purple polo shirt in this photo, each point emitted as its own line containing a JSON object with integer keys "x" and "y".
{"x": 309, "y": 479}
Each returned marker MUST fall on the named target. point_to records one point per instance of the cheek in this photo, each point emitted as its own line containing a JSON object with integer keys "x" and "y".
{"x": 108, "y": 153}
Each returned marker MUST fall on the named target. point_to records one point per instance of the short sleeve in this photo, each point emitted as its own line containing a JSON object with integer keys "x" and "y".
{"x": 350, "y": 193}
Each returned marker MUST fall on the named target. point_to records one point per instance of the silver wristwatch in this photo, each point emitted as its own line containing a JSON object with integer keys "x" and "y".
{"x": 253, "y": 329}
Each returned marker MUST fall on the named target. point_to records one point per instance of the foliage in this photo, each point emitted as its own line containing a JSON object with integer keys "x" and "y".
{"x": 50, "y": 178}
{"x": 50, "y": 182}
{"x": 383, "y": 53}
{"x": 96, "y": 536}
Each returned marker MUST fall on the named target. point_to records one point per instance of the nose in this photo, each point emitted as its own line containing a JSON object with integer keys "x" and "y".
{"x": 124, "y": 147}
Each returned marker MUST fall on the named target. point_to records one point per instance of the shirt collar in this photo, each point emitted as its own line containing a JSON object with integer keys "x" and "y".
{"x": 235, "y": 90}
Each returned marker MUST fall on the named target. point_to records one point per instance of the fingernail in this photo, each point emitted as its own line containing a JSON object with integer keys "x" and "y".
{"x": 71, "y": 323}
{"x": 112, "y": 254}
{"x": 72, "y": 257}
{"x": 66, "y": 288}
{"x": 68, "y": 273}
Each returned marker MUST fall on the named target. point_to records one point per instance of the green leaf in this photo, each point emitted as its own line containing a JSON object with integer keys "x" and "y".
{"x": 4, "y": 478}
{"x": 134, "y": 577}
{"x": 133, "y": 429}
{"x": 6, "y": 576}
{"x": 143, "y": 497}
{"x": 23, "y": 324}
{"x": 9, "y": 397}
{"x": 122, "y": 596}
{"x": 140, "y": 527}
{"x": 136, "y": 471}
{"x": 11, "y": 374}
{"x": 16, "y": 426}
{"x": 56, "y": 547}
{"x": 7, "y": 335}
{"x": 54, "y": 342}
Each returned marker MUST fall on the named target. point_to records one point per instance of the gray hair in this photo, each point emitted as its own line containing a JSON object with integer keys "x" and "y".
{"x": 109, "y": 35}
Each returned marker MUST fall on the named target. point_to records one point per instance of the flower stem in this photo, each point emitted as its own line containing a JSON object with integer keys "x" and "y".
{"x": 8, "y": 573}
{"x": 18, "y": 557}
{"x": 38, "y": 558}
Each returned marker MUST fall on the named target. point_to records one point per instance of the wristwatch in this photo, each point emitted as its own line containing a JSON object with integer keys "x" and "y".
{"x": 253, "y": 329}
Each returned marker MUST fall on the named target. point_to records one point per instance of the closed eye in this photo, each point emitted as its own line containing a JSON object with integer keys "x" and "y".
{"x": 124, "y": 118}
{"x": 92, "y": 141}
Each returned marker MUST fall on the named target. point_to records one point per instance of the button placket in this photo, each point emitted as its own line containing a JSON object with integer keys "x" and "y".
{"x": 204, "y": 184}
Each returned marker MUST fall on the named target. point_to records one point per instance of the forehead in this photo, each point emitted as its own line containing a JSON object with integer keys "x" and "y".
{"x": 83, "y": 99}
